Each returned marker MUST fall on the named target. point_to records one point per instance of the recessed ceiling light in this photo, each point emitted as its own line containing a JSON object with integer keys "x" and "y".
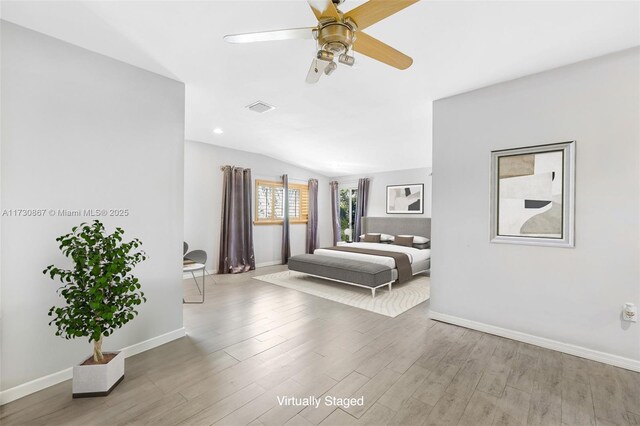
{"x": 218, "y": 131}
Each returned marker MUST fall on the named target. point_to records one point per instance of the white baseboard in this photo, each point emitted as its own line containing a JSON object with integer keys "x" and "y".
{"x": 34, "y": 386}
{"x": 580, "y": 351}
{"x": 154, "y": 342}
{"x": 214, "y": 272}
{"x": 38, "y": 384}
{"x": 272, "y": 263}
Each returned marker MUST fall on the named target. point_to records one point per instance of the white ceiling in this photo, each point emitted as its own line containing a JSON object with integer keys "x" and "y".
{"x": 371, "y": 118}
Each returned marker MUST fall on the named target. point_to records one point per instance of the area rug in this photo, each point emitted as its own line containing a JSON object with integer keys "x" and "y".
{"x": 401, "y": 298}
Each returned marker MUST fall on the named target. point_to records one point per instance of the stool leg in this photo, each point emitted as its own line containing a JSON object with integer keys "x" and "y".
{"x": 204, "y": 284}
{"x": 202, "y": 292}
{"x": 194, "y": 279}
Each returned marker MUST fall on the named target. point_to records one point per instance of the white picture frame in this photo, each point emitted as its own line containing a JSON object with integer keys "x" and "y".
{"x": 528, "y": 205}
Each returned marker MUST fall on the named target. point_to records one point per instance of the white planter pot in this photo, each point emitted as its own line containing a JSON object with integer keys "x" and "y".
{"x": 98, "y": 380}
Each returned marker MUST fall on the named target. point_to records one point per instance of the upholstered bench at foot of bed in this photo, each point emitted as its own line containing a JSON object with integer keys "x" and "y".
{"x": 355, "y": 272}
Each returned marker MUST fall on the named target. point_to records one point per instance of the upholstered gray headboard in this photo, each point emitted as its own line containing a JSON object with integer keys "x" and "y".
{"x": 420, "y": 226}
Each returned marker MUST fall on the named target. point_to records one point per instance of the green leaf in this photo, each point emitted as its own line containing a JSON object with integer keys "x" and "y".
{"x": 100, "y": 288}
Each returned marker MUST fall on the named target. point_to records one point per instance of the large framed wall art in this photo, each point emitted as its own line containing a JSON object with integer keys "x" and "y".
{"x": 405, "y": 199}
{"x": 533, "y": 195}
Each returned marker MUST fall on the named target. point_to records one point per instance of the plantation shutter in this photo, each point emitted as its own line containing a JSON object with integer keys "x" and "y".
{"x": 304, "y": 203}
{"x": 270, "y": 202}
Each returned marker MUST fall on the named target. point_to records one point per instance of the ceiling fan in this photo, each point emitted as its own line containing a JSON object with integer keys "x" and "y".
{"x": 338, "y": 34}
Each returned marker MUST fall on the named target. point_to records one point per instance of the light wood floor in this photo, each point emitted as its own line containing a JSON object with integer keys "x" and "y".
{"x": 253, "y": 341}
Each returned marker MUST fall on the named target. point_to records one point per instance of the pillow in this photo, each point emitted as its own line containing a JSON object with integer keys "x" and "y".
{"x": 422, "y": 246}
{"x": 417, "y": 239}
{"x": 406, "y": 241}
{"x": 371, "y": 238}
{"x": 383, "y": 237}
{"x": 370, "y": 233}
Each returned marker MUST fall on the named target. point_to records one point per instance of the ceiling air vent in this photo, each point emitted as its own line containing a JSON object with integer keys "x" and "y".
{"x": 260, "y": 107}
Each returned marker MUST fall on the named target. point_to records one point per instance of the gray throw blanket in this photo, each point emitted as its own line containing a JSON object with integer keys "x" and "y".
{"x": 403, "y": 264}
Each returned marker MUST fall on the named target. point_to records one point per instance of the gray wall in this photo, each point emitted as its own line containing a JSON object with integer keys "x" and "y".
{"x": 567, "y": 295}
{"x": 81, "y": 131}
{"x": 378, "y": 188}
{"x": 203, "y": 194}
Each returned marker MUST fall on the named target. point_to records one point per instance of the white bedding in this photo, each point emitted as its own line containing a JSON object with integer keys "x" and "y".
{"x": 415, "y": 255}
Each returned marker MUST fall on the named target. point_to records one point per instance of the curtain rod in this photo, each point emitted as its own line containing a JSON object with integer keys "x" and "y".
{"x": 293, "y": 178}
{"x": 267, "y": 176}
{"x": 234, "y": 167}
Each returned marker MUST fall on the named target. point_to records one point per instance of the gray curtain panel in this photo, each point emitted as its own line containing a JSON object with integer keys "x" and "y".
{"x": 236, "y": 229}
{"x": 335, "y": 211}
{"x": 286, "y": 243}
{"x": 361, "y": 205}
{"x": 312, "y": 220}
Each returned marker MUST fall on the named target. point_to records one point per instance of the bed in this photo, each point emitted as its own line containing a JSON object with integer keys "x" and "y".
{"x": 355, "y": 263}
{"x": 421, "y": 226}
{"x": 420, "y": 259}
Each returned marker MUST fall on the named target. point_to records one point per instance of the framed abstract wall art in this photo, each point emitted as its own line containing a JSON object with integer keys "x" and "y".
{"x": 533, "y": 195}
{"x": 405, "y": 199}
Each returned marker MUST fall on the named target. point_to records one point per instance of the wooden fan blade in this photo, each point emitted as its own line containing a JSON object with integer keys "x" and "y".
{"x": 288, "y": 34}
{"x": 379, "y": 51}
{"x": 316, "y": 70}
{"x": 324, "y": 9}
{"x": 373, "y": 11}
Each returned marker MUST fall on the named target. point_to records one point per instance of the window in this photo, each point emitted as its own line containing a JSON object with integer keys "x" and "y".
{"x": 270, "y": 203}
{"x": 348, "y": 213}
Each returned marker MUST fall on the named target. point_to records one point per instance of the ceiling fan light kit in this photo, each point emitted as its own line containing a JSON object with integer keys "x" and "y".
{"x": 324, "y": 55}
{"x": 346, "y": 59}
{"x": 330, "y": 68}
{"x": 337, "y": 33}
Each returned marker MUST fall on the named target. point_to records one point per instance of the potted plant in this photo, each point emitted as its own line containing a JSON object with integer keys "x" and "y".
{"x": 101, "y": 296}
